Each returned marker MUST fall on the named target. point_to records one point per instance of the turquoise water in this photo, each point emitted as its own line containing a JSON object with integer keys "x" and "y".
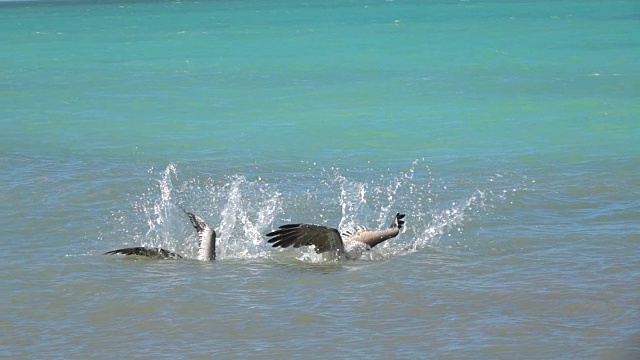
{"x": 507, "y": 131}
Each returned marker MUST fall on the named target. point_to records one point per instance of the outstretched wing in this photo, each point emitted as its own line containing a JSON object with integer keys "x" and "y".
{"x": 159, "y": 253}
{"x": 323, "y": 238}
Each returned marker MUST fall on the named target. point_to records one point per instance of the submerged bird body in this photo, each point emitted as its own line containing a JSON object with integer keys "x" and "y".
{"x": 206, "y": 247}
{"x": 349, "y": 244}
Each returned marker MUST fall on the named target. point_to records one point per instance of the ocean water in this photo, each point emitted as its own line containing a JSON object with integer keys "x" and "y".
{"x": 507, "y": 131}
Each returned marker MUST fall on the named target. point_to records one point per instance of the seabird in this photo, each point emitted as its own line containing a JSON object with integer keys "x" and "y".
{"x": 206, "y": 247}
{"x": 350, "y": 244}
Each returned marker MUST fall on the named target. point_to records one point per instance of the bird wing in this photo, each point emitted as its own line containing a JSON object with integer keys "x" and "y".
{"x": 323, "y": 238}
{"x": 146, "y": 252}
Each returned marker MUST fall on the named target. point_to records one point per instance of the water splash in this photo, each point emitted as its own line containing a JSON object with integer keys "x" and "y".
{"x": 444, "y": 221}
{"x": 435, "y": 208}
{"x": 250, "y": 208}
{"x": 242, "y": 211}
{"x": 159, "y": 212}
{"x": 238, "y": 209}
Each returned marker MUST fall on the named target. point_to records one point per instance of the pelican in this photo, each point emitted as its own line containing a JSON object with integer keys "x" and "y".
{"x": 206, "y": 247}
{"x": 348, "y": 244}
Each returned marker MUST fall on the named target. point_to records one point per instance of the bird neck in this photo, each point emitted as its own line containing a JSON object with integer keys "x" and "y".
{"x": 207, "y": 250}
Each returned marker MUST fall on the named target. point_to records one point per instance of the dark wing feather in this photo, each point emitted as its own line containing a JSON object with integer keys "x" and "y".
{"x": 146, "y": 252}
{"x": 323, "y": 238}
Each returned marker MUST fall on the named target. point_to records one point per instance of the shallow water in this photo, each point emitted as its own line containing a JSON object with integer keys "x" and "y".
{"x": 507, "y": 132}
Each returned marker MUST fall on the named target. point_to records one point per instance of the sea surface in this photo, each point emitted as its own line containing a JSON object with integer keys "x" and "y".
{"x": 508, "y": 132}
